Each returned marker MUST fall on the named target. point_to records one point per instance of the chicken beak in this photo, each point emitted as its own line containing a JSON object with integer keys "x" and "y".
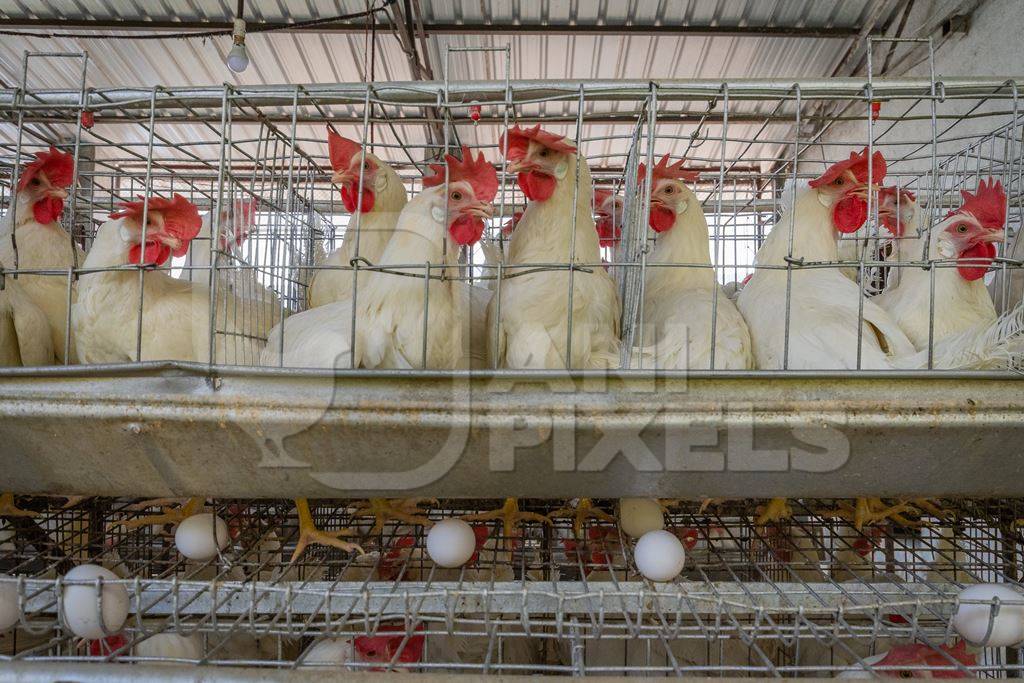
{"x": 519, "y": 166}
{"x": 480, "y": 209}
{"x": 994, "y": 235}
{"x": 342, "y": 177}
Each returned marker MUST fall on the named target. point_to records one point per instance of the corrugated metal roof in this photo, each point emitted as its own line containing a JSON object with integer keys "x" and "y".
{"x": 338, "y": 57}
{"x": 318, "y": 58}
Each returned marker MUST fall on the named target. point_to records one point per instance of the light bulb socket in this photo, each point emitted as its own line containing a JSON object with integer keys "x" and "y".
{"x": 238, "y": 57}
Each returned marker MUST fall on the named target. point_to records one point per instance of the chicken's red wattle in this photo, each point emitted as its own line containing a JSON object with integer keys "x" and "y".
{"x": 849, "y": 214}
{"x": 976, "y": 271}
{"x": 349, "y": 197}
{"x": 536, "y": 186}
{"x": 466, "y": 229}
{"x": 608, "y": 233}
{"x": 156, "y": 253}
{"x": 47, "y": 209}
{"x": 661, "y": 218}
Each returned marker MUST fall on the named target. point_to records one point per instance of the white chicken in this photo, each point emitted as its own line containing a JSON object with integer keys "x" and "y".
{"x": 823, "y": 304}
{"x": 680, "y": 302}
{"x": 968, "y": 234}
{"x": 175, "y": 313}
{"x": 42, "y": 244}
{"x": 826, "y": 306}
{"x": 390, "y": 306}
{"x": 529, "y": 322}
{"x": 236, "y": 221}
{"x": 392, "y": 311}
{"x": 609, "y": 209}
{"x": 374, "y": 215}
{"x": 25, "y": 337}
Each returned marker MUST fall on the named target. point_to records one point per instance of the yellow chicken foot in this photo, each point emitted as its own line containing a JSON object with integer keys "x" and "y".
{"x": 867, "y": 511}
{"x": 170, "y": 515}
{"x": 776, "y": 510}
{"x": 384, "y": 510}
{"x": 9, "y": 509}
{"x": 583, "y": 510}
{"x": 308, "y": 533}
{"x": 708, "y": 502}
{"x": 510, "y": 515}
{"x": 932, "y": 508}
{"x": 72, "y": 501}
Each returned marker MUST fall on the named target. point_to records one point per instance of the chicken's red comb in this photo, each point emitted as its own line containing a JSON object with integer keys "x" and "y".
{"x": 478, "y": 172}
{"x": 519, "y": 140}
{"x": 601, "y": 196}
{"x": 858, "y": 163}
{"x": 987, "y": 205}
{"x": 58, "y": 166}
{"x": 663, "y": 169}
{"x": 341, "y": 150}
{"x": 181, "y": 217}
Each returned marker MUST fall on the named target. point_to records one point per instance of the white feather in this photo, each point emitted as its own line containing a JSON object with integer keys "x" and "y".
{"x": 42, "y": 247}
{"x": 390, "y": 308}
{"x": 533, "y": 328}
{"x": 375, "y": 228}
{"x": 680, "y": 302}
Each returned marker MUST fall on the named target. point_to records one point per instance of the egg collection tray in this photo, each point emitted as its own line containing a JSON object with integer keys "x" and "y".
{"x": 809, "y": 594}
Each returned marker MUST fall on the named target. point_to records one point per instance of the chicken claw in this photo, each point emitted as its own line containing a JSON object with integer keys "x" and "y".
{"x": 928, "y": 506}
{"x": 510, "y": 515}
{"x": 308, "y": 533}
{"x": 709, "y": 502}
{"x": 776, "y": 510}
{"x": 9, "y": 509}
{"x": 581, "y": 512}
{"x": 402, "y": 509}
{"x": 867, "y": 511}
{"x": 170, "y": 515}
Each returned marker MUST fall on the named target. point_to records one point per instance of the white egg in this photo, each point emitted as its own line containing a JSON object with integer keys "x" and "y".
{"x": 659, "y": 555}
{"x": 194, "y": 537}
{"x": 637, "y": 516}
{"x": 972, "y": 621}
{"x": 329, "y": 651}
{"x": 9, "y": 613}
{"x": 82, "y": 605}
{"x": 450, "y": 543}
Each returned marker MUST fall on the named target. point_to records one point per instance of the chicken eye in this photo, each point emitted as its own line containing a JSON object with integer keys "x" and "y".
{"x": 839, "y": 181}
{"x": 456, "y": 196}
{"x": 669, "y": 190}
{"x": 906, "y": 674}
{"x": 544, "y": 152}
{"x": 34, "y": 181}
{"x": 961, "y": 228}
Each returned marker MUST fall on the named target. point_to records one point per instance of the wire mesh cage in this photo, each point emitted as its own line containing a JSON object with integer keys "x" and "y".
{"x": 810, "y": 596}
{"x": 255, "y": 161}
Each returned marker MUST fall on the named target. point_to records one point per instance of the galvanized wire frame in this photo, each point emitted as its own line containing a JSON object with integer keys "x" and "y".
{"x": 800, "y": 597}
{"x": 298, "y": 205}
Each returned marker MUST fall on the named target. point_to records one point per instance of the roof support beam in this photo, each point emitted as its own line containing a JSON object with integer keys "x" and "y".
{"x": 440, "y": 28}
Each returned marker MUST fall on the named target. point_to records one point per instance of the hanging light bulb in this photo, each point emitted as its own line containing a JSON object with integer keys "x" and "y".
{"x": 238, "y": 57}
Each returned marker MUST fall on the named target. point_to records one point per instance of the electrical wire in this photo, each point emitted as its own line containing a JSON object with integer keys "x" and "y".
{"x": 209, "y": 34}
